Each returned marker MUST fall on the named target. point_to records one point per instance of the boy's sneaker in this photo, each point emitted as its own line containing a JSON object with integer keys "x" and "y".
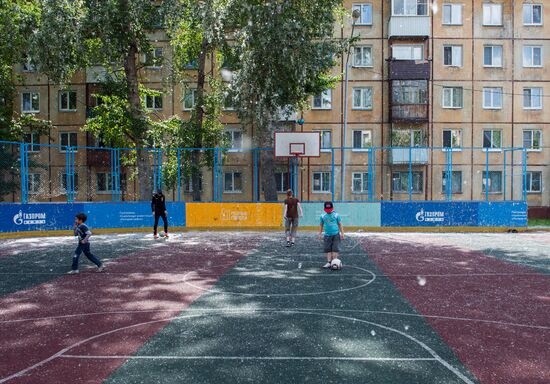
{"x": 327, "y": 265}
{"x": 101, "y": 269}
{"x": 73, "y": 272}
{"x": 166, "y": 235}
{"x": 292, "y": 243}
{"x": 288, "y": 243}
{"x": 156, "y": 236}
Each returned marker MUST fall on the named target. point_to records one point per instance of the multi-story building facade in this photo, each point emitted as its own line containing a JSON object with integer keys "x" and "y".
{"x": 454, "y": 80}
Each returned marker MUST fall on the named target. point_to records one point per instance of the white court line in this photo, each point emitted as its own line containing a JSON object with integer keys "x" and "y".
{"x": 441, "y": 317}
{"x": 300, "y": 358}
{"x": 210, "y": 290}
{"x": 455, "y": 371}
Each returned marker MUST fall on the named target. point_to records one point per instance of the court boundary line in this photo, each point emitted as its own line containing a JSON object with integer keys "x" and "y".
{"x": 283, "y": 358}
{"x": 60, "y": 353}
{"x": 391, "y": 313}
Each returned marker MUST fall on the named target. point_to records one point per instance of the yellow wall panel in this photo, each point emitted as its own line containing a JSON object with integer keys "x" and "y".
{"x": 232, "y": 215}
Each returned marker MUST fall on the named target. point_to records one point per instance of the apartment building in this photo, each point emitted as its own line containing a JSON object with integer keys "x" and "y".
{"x": 429, "y": 83}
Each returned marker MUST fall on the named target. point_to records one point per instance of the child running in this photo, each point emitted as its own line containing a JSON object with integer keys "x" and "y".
{"x": 331, "y": 232}
{"x": 83, "y": 233}
{"x": 292, "y": 206}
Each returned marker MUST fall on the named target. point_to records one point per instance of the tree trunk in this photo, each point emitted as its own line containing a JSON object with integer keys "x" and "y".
{"x": 267, "y": 158}
{"x": 138, "y": 119}
{"x": 199, "y": 110}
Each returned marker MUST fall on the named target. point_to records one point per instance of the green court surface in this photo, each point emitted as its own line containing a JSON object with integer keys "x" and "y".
{"x": 277, "y": 317}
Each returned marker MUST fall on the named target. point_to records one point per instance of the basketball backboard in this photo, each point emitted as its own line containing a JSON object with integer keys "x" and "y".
{"x": 297, "y": 144}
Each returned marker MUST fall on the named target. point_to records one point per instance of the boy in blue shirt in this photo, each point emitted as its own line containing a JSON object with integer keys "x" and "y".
{"x": 331, "y": 231}
{"x": 83, "y": 233}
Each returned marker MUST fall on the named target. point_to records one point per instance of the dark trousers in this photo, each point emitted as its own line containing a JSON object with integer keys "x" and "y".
{"x": 164, "y": 220}
{"x": 86, "y": 249}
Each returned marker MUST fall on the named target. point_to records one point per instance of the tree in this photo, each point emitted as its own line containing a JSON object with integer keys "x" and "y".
{"x": 285, "y": 53}
{"x": 73, "y": 34}
{"x": 16, "y": 21}
{"x": 198, "y": 31}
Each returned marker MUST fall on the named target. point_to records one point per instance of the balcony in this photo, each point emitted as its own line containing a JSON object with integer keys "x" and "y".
{"x": 96, "y": 74}
{"x": 409, "y": 70}
{"x": 98, "y": 158}
{"x": 409, "y": 26}
{"x": 401, "y": 156}
{"x": 409, "y": 113}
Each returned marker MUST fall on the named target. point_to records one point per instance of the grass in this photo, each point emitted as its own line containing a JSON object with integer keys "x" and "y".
{"x": 539, "y": 222}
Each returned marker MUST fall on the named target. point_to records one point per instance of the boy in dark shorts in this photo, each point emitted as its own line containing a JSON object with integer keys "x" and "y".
{"x": 83, "y": 233}
{"x": 292, "y": 206}
{"x": 331, "y": 232}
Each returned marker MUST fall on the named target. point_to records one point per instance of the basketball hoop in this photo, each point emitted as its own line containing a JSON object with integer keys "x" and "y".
{"x": 297, "y": 149}
{"x": 297, "y": 144}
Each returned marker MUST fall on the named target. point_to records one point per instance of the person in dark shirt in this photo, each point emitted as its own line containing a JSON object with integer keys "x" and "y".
{"x": 292, "y": 206}
{"x": 83, "y": 233}
{"x": 158, "y": 206}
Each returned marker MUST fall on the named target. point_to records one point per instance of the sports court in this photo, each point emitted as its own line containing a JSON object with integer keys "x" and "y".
{"x": 236, "y": 307}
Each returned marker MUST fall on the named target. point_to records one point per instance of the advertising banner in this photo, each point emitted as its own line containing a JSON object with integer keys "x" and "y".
{"x": 353, "y": 214}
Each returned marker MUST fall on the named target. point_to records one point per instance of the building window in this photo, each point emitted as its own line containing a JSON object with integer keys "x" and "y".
{"x": 189, "y": 99}
{"x": 452, "y": 97}
{"x": 153, "y": 102}
{"x": 104, "y": 182}
{"x": 407, "y": 52}
{"x": 362, "y": 56}
{"x": 67, "y": 139}
{"x": 30, "y": 102}
{"x": 407, "y": 138}
{"x": 533, "y": 182}
{"x": 494, "y": 179}
{"x": 492, "y": 139}
{"x": 532, "y": 139}
{"x": 67, "y": 101}
{"x": 452, "y": 55}
{"x": 154, "y": 59}
{"x": 188, "y": 184}
{"x": 410, "y": 7}
{"x": 321, "y": 182}
{"x": 400, "y": 182}
{"x": 362, "y": 98}
{"x": 360, "y": 182}
{"x": 532, "y": 98}
{"x": 492, "y": 98}
{"x": 452, "y": 14}
{"x": 409, "y": 92}
{"x": 63, "y": 182}
{"x": 27, "y": 65}
{"x": 34, "y": 183}
{"x": 234, "y": 139}
{"x": 492, "y": 14}
{"x": 532, "y": 14}
{"x": 365, "y": 11}
{"x": 233, "y": 182}
{"x": 532, "y": 56}
{"x": 228, "y": 102}
{"x": 456, "y": 182}
{"x": 33, "y": 139}
{"x": 362, "y": 139}
{"x": 492, "y": 56}
{"x": 323, "y": 101}
{"x": 452, "y": 139}
{"x": 326, "y": 140}
{"x": 281, "y": 180}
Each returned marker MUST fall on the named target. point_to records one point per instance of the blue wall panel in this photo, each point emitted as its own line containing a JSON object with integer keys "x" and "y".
{"x": 502, "y": 214}
{"x": 353, "y": 214}
{"x": 428, "y": 214}
{"x": 60, "y": 216}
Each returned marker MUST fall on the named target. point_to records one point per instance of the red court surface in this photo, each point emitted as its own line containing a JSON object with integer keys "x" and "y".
{"x": 495, "y": 315}
{"x": 40, "y": 323}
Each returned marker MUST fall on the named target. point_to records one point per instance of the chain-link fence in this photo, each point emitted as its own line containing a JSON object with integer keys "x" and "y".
{"x": 50, "y": 173}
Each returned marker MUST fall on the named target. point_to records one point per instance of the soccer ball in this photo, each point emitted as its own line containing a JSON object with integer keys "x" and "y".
{"x": 162, "y": 234}
{"x": 336, "y": 264}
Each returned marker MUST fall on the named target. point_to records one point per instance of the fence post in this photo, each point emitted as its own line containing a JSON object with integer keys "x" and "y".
{"x": 487, "y": 174}
{"x": 524, "y": 169}
{"x": 179, "y": 174}
{"x": 24, "y": 168}
{"x": 449, "y": 172}
{"x": 504, "y": 177}
{"x": 115, "y": 174}
{"x": 410, "y": 176}
{"x": 215, "y": 189}
{"x": 256, "y": 185}
{"x": 69, "y": 176}
{"x": 370, "y": 171}
{"x": 332, "y": 174}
